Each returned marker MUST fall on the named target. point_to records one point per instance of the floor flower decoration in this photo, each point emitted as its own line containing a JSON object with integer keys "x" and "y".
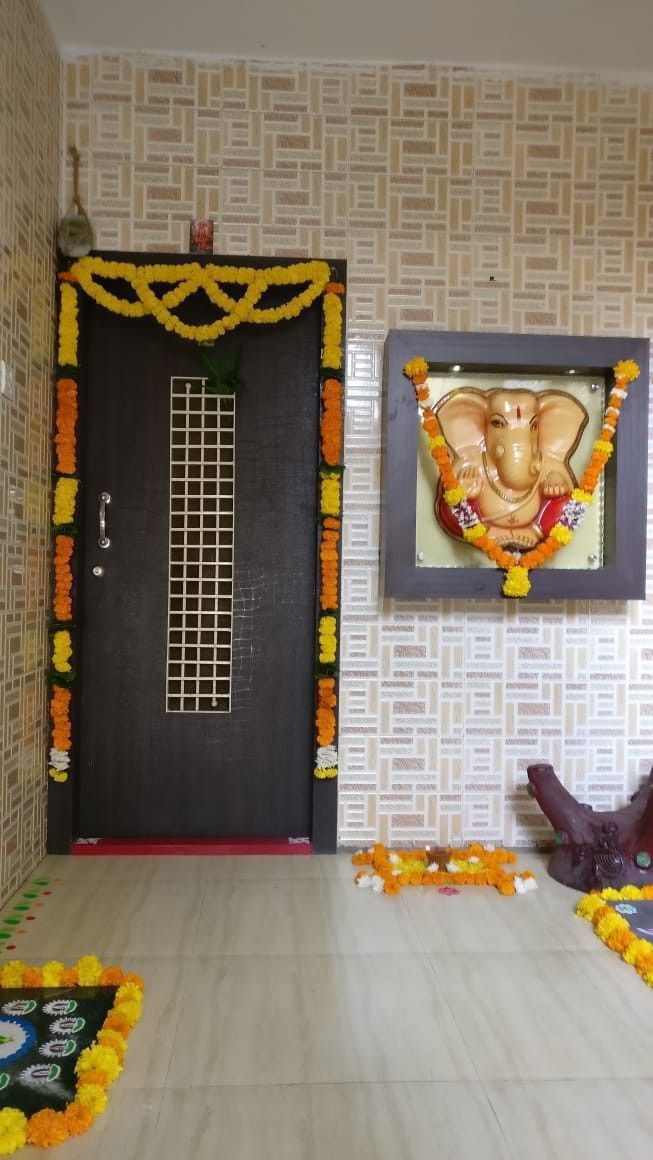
{"x": 387, "y": 871}
{"x": 63, "y": 1039}
{"x": 623, "y": 920}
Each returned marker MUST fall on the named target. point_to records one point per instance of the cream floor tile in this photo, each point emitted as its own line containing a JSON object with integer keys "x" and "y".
{"x": 480, "y": 919}
{"x": 330, "y": 1019}
{"x": 152, "y": 1040}
{"x": 114, "y": 920}
{"x": 327, "y": 1122}
{"x": 608, "y": 971}
{"x": 121, "y": 1133}
{"x": 545, "y": 1016}
{"x": 575, "y": 1120}
{"x": 301, "y": 916}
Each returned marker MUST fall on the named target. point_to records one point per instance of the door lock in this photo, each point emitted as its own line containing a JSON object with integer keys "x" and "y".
{"x": 98, "y": 570}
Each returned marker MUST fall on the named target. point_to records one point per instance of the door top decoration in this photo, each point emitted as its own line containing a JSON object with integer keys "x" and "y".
{"x": 185, "y": 279}
{"x": 503, "y": 461}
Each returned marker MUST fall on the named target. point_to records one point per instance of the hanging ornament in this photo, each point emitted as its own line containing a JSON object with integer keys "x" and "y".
{"x": 75, "y": 234}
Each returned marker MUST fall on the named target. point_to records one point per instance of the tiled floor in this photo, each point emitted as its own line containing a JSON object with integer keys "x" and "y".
{"x": 289, "y": 1016}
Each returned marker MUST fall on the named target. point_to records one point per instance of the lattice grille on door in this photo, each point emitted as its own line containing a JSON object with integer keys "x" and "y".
{"x": 201, "y": 562}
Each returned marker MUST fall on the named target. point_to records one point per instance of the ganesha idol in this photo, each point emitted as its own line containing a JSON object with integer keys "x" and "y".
{"x": 511, "y": 451}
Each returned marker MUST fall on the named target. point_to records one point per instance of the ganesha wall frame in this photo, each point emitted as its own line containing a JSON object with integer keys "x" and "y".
{"x": 622, "y": 573}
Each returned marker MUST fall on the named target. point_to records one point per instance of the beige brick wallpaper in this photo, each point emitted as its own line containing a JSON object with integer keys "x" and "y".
{"x": 461, "y": 200}
{"x": 30, "y": 104}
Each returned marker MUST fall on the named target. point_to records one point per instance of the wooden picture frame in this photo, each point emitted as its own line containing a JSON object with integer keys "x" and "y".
{"x": 623, "y": 573}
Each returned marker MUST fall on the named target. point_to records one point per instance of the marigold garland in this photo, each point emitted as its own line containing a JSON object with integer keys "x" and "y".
{"x": 327, "y": 639}
{"x": 65, "y": 440}
{"x": 68, "y": 326}
{"x": 614, "y": 929}
{"x": 63, "y": 578}
{"x": 331, "y": 425}
{"x": 65, "y": 496}
{"x": 332, "y": 333}
{"x": 516, "y": 566}
{"x": 325, "y": 718}
{"x": 190, "y": 277}
{"x": 329, "y": 568}
{"x": 330, "y": 495}
{"x": 98, "y": 1065}
{"x": 475, "y": 865}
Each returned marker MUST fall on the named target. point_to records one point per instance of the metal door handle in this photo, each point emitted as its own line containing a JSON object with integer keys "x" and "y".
{"x": 104, "y": 540}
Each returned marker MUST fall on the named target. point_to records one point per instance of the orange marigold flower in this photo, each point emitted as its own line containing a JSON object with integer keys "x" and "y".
{"x": 33, "y": 977}
{"x": 94, "y": 1077}
{"x": 47, "y": 1128}
{"x": 137, "y": 980}
{"x": 112, "y": 977}
{"x": 78, "y": 1119}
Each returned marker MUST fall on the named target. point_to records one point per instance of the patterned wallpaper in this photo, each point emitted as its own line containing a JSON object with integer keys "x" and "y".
{"x": 30, "y": 102}
{"x": 462, "y": 200}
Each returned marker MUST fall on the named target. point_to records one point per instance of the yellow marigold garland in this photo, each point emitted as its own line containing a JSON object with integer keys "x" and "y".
{"x": 614, "y": 929}
{"x": 330, "y": 495}
{"x": 65, "y": 496}
{"x": 68, "y": 325}
{"x": 190, "y": 277}
{"x": 327, "y": 638}
{"x": 98, "y": 1066}
{"x": 518, "y": 566}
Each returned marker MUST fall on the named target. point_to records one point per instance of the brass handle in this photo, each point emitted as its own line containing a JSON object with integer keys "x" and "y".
{"x": 104, "y": 541}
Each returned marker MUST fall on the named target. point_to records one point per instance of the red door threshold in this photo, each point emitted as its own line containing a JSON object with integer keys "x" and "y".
{"x": 86, "y": 847}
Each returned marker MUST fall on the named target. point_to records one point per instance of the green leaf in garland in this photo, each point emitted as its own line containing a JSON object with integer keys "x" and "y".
{"x": 221, "y": 378}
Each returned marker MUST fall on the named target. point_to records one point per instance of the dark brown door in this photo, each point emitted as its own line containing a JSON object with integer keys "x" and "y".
{"x": 147, "y": 771}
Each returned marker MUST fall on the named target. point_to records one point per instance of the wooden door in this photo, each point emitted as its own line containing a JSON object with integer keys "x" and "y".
{"x": 147, "y": 770}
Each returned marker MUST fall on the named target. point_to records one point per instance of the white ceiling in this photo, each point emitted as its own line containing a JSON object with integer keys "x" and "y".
{"x": 585, "y": 35}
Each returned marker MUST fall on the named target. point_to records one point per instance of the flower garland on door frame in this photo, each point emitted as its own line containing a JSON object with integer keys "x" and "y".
{"x": 517, "y": 566}
{"x": 184, "y": 280}
{"x": 97, "y": 1066}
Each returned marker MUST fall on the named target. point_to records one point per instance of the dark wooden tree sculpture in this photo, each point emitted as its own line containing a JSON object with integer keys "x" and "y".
{"x": 595, "y": 850}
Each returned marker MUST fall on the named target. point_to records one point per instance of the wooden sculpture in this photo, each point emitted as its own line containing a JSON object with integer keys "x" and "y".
{"x": 596, "y": 849}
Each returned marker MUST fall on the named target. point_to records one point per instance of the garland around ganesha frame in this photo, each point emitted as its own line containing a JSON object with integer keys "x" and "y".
{"x": 517, "y": 567}
{"x": 184, "y": 280}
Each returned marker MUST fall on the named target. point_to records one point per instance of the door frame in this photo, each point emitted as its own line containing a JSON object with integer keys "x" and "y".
{"x": 68, "y": 491}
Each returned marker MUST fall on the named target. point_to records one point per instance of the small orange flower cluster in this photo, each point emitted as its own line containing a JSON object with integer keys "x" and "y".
{"x": 400, "y": 868}
{"x": 65, "y": 441}
{"x": 63, "y": 578}
{"x": 331, "y": 424}
{"x": 60, "y": 717}
{"x": 599, "y": 458}
{"x": 325, "y": 718}
{"x": 329, "y": 564}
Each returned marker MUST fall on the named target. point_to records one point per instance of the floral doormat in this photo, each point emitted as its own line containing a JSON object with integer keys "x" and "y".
{"x": 476, "y": 865}
{"x": 63, "y": 1038}
{"x": 623, "y": 920}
